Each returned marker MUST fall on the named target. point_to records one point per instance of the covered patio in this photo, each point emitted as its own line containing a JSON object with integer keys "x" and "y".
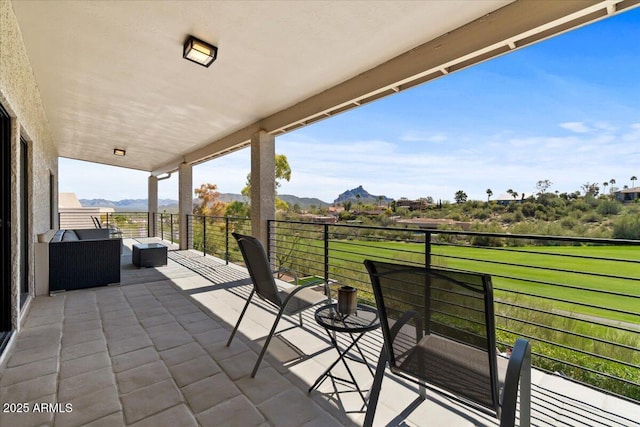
{"x": 151, "y": 351}
{"x": 105, "y": 82}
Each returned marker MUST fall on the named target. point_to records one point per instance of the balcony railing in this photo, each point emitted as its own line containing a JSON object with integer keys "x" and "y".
{"x": 132, "y": 224}
{"x": 576, "y": 299}
{"x": 212, "y": 235}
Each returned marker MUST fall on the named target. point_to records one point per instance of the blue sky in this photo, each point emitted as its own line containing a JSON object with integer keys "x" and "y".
{"x": 567, "y": 110}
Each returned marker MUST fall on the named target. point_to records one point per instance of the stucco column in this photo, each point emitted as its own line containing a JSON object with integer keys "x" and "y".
{"x": 263, "y": 184}
{"x": 185, "y": 200}
{"x": 152, "y": 197}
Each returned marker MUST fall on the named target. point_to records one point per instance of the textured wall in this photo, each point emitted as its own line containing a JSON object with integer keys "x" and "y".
{"x": 20, "y": 97}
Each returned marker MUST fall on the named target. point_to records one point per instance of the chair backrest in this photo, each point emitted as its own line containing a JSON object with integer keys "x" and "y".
{"x": 96, "y": 222}
{"x": 449, "y": 341}
{"x": 255, "y": 258}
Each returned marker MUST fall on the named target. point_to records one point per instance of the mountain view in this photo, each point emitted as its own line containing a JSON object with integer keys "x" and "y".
{"x": 361, "y": 195}
{"x": 137, "y": 205}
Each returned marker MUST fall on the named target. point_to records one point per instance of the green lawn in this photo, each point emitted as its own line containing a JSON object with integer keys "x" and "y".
{"x": 521, "y": 271}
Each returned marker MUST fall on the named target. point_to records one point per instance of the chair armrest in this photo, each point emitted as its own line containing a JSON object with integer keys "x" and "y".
{"x": 287, "y": 270}
{"x": 306, "y": 285}
{"x": 403, "y": 320}
{"x": 300, "y": 288}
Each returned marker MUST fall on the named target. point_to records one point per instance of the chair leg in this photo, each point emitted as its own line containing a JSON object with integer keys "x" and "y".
{"x": 240, "y": 318}
{"x": 375, "y": 389}
{"x": 300, "y": 317}
{"x": 266, "y": 344}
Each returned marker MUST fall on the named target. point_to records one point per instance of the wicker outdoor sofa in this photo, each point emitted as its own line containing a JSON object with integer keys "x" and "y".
{"x": 81, "y": 259}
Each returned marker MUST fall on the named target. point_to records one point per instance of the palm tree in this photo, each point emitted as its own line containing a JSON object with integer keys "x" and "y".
{"x": 604, "y": 184}
{"x": 489, "y": 194}
{"x": 633, "y": 181}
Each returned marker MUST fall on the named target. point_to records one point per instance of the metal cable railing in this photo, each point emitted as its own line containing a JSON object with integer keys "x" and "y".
{"x": 130, "y": 224}
{"x": 212, "y": 235}
{"x": 575, "y": 299}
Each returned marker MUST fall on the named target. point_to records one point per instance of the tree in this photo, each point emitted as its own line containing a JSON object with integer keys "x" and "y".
{"x": 604, "y": 184}
{"x": 237, "y": 209}
{"x": 513, "y": 194}
{"x": 590, "y": 189}
{"x": 633, "y": 180}
{"x": 460, "y": 196}
{"x": 489, "y": 194}
{"x": 283, "y": 171}
{"x": 612, "y": 182}
{"x": 209, "y": 203}
{"x": 543, "y": 185}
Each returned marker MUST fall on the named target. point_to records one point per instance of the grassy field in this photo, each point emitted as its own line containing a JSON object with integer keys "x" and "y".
{"x": 537, "y": 271}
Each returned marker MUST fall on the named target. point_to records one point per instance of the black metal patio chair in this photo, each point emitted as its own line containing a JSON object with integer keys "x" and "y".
{"x": 290, "y": 301}
{"x": 439, "y": 332}
{"x": 113, "y": 230}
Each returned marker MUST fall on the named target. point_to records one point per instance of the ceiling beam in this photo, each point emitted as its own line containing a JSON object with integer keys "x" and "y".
{"x": 512, "y": 27}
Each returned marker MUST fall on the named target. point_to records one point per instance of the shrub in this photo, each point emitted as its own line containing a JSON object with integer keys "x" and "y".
{"x": 609, "y": 207}
{"x": 591, "y": 217}
{"x": 481, "y": 214}
{"x": 568, "y": 223}
{"x": 529, "y": 209}
{"x": 627, "y": 227}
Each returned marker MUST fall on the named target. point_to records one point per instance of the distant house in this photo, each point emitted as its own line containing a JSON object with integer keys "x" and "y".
{"x": 628, "y": 194}
{"x": 320, "y": 219}
{"x": 412, "y": 205}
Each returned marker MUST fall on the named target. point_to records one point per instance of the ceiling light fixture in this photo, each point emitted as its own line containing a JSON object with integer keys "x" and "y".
{"x": 119, "y": 152}
{"x": 199, "y": 52}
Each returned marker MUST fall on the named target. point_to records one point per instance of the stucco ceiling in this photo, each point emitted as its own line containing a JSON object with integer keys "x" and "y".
{"x": 111, "y": 73}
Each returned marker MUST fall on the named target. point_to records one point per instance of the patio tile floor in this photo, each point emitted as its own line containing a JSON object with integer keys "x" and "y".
{"x": 151, "y": 352}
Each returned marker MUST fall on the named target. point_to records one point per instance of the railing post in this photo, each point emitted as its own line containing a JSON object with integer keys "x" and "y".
{"x": 189, "y": 240}
{"x": 427, "y": 249}
{"x": 226, "y": 239}
{"x": 204, "y": 235}
{"x": 271, "y": 247}
{"x": 171, "y": 226}
{"x": 326, "y": 252}
{"x": 162, "y": 226}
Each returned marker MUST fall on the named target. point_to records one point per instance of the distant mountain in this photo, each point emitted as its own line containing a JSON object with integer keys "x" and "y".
{"x": 141, "y": 205}
{"x": 365, "y": 196}
{"x": 126, "y": 204}
{"x": 232, "y": 197}
{"x": 303, "y": 202}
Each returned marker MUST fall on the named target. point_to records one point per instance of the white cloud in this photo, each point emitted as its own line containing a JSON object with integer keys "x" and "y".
{"x": 414, "y": 136}
{"x": 578, "y": 127}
